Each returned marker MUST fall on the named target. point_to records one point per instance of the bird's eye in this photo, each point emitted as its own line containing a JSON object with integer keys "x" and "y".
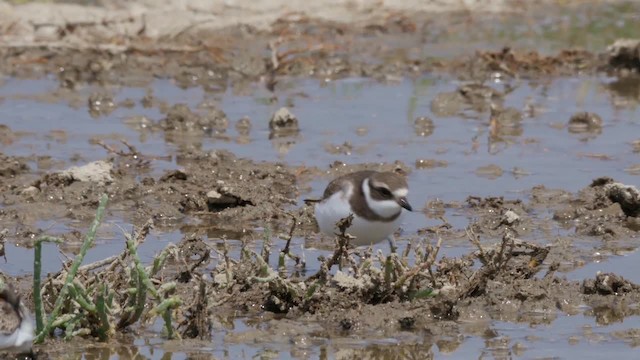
{"x": 385, "y": 192}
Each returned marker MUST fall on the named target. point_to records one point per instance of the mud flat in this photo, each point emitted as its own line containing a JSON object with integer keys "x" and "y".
{"x": 207, "y": 123}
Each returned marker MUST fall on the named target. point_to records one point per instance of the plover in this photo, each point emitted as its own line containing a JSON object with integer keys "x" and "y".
{"x": 16, "y": 325}
{"x": 375, "y": 199}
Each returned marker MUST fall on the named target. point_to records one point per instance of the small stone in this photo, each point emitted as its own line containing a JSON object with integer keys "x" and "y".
{"x": 283, "y": 123}
{"x": 97, "y": 171}
{"x": 30, "y": 191}
{"x": 510, "y": 217}
{"x": 47, "y": 32}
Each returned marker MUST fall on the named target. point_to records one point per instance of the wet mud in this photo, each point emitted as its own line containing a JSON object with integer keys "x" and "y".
{"x": 236, "y": 214}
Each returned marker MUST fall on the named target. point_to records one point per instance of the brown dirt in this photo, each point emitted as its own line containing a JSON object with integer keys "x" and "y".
{"x": 511, "y": 274}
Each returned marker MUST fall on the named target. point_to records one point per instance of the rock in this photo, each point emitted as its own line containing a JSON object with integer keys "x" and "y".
{"x": 283, "y": 123}
{"x": 97, "y": 171}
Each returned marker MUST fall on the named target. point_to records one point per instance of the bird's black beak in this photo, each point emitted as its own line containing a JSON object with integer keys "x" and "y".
{"x": 404, "y": 203}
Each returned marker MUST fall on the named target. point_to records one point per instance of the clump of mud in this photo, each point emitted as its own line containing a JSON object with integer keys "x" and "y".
{"x": 11, "y": 167}
{"x": 215, "y": 187}
{"x": 474, "y": 97}
{"x": 283, "y": 123}
{"x": 423, "y": 126}
{"x": 625, "y": 54}
{"x": 181, "y": 119}
{"x": 514, "y": 63}
{"x": 585, "y": 122}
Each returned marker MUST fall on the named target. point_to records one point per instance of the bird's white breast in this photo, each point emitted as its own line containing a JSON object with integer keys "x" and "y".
{"x": 336, "y": 207}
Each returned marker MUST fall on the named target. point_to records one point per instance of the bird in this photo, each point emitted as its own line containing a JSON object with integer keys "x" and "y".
{"x": 16, "y": 325}
{"x": 376, "y": 200}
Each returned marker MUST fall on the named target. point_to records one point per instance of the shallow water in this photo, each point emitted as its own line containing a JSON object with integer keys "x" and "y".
{"x": 331, "y": 113}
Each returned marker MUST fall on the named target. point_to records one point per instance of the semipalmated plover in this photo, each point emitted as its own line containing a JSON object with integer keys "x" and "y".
{"x": 375, "y": 199}
{"x": 16, "y": 325}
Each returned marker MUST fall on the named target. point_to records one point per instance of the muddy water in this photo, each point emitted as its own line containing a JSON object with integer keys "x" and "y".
{"x": 356, "y": 121}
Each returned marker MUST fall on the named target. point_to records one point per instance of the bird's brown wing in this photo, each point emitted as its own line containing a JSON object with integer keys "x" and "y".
{"x": 338, "y": 184}
{"x": 334, "y": 186}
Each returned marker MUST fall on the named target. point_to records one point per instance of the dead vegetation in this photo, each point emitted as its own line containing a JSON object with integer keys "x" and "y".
{"x": 115, "y": 293}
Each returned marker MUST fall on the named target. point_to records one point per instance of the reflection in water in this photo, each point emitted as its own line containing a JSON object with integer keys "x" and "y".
{"x": 385, "y": 352}
{"x": 423, "y": 126}
{"x": 503, "y": 124}
{"x": 243, "y": 126}
{"x": 284, "y": 144}
{"x": 449, "y": 345}
{"x": 625, "y": 91}
{"x": 497, "y": 348}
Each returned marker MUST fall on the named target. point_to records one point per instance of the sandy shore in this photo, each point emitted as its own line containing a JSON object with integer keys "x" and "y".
{"x": 34, "y": 23}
